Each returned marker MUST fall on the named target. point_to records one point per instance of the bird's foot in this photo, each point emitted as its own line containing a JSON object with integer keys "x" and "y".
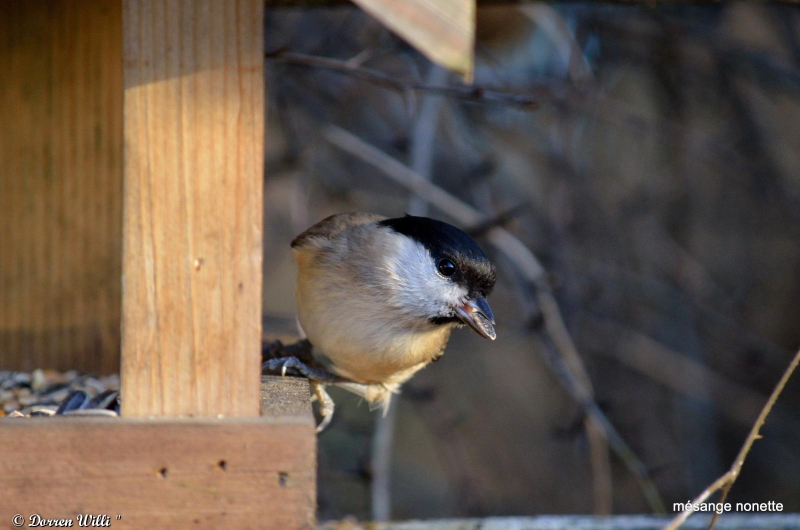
{"x": 294, "y": 366}
{"x": 326, "y": 405}
{"x": 317, "y": 377}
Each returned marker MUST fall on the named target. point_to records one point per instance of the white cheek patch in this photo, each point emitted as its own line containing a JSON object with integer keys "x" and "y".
{"x": 416, "y": 285}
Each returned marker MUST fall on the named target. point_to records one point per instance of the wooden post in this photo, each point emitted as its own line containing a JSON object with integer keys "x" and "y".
{"x": 60, "y": 184}
{"x": 193, "y": 174}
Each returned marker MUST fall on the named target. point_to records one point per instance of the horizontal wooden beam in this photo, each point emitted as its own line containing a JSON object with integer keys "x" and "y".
{"x": 180, "y": 473}
{"x": 490, "y": 3}
{"x": 344, "y": 3}
{"x": 730, "y": 521}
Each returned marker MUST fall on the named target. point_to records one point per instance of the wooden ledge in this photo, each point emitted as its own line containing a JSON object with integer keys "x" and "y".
{"x": 286, "y": 396}
{"x": 167, "y": 473}
{"x": 728, "y": 521}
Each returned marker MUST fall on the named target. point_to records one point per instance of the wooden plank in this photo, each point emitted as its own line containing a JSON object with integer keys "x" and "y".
{"x": 194, "y": 123}
{"x": 60, "y": 184}
{"x": 507, "y": 3}
{"x": 443, "y": 30}
{"x": 180, "y": 473}
{"x": 729, "y": 521}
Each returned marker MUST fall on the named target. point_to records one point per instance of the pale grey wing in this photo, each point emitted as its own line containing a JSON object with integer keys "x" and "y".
{"x": 332, "y": 226}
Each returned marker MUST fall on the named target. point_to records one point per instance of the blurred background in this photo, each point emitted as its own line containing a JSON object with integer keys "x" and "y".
{"x": 656, "y": 181}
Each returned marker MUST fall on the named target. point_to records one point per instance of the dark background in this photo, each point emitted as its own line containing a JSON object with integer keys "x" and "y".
{"x": 658, "y": 183}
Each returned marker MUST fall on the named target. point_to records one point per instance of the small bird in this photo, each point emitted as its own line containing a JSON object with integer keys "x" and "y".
{"x": 377, "y": 299}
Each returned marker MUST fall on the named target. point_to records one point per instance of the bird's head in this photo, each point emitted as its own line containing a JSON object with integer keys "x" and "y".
{"x": 438, "y": 274}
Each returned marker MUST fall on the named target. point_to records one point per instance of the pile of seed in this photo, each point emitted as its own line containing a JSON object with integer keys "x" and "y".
{"x": 48, "y": 393}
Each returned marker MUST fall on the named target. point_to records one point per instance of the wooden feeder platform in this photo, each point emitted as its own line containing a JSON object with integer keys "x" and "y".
{"x": 168, "y": 473}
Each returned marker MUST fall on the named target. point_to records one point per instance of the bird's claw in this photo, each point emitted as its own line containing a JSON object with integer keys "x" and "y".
{"x": 283, "y": 365}
{"x": 326, "y": 405}
{"x": 317, "y": 377}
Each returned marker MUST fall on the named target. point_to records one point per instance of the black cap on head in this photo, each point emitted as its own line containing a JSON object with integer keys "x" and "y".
{"x": 444, "y": 241}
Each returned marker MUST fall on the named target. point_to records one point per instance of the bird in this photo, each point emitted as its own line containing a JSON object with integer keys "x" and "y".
{"x": 377, "y": 299}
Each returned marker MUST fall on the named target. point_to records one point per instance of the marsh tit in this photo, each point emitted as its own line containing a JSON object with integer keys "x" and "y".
{"x": 377, "y": 299}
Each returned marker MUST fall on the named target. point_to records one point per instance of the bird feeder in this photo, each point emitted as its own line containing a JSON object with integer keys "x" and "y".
{"x": 132, "y": 146}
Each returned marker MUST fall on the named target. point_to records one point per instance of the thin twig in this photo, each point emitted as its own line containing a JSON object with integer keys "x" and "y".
{"x": 637, "y": 351}
{"x": 726, "y": 481}
{"x": 599, "y": 453}
{"x": 567, "y": 364}
{"x": 468, "y": 93}
{"x": 381, "y": 464}
{"x": 606, "y": 108}
{"x": 422, "y": 142}
{"x": 500, "y": 219}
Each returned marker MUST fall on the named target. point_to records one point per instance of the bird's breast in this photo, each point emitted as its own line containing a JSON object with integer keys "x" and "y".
{"x": 365, "y": 340}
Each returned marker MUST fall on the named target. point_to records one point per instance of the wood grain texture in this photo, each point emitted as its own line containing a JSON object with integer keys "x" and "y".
{"x": 443, "y": 30}
{"x": 185, "y": 473}
{"x": 284, "y": 396}
{"x": 60, "y": 184}
{"x": 194, "y": 125}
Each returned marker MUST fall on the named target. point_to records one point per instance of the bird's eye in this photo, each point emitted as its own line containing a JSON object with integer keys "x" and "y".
{"x": 446, "y": 267}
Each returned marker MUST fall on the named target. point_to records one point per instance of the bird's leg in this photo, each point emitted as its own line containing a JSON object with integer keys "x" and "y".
{"x": 295, "y": 366}
{"x": 297, "y": 359}
{"x": 317, "y": 378}
{"x": 326, "y": 405}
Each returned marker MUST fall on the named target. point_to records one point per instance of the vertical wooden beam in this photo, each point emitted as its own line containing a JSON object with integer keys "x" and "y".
{"x": 194, "y": 124}
{"x": 60, "y": 184}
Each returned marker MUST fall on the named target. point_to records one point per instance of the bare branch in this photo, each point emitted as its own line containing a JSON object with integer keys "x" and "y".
{"x": 381, "y": 461}
{"x": 726, "y": 481}
{"x": 649, "y": 357}
{"x": 500, "y": 219}
{"x": 468, "y": 93}
{"x": 566, "y": 362}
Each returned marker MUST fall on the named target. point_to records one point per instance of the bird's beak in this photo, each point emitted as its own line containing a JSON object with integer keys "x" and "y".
{"x": 478, "y": 315}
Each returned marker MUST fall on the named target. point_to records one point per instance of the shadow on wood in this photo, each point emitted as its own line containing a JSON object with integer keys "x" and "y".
{"x": 60, "y": 184}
